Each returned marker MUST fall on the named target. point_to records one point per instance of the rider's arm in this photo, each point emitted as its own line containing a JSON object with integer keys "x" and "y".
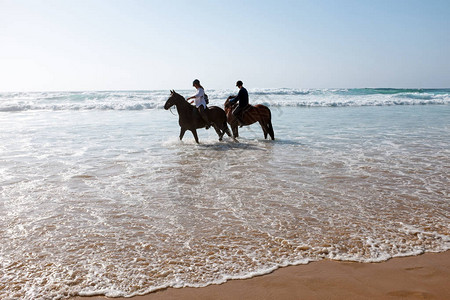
{"x": 234, "y": 99}
{"x": 239, "y": 96}
{"x": 192, "y": 97}
{"x": 187, "y": 99}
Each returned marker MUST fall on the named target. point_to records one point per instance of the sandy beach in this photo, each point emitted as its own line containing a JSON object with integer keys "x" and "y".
{"x": 425, "y": 276}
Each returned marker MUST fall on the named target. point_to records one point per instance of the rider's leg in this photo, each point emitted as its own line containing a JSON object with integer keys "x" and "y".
{"x": 204, "y": 116}
{"x": 237, "y": 113}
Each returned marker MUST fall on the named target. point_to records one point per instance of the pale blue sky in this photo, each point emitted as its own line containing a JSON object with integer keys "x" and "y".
{"x": 146, "y": 45}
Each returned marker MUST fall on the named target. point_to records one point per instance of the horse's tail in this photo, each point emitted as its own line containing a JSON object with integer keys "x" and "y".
{"x": 270, "y": 130}
{"x": 269, "y": 115}
{"x": 265, "y": 116}
{"x": 269, "y": 125}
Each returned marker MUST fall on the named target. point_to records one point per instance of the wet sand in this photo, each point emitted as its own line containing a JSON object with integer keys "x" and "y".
{"x": 425, "y": 276}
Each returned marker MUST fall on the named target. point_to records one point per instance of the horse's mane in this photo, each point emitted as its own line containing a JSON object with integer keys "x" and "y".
{"x": 177, "y": 95}
{"x": 227, "y": 102}
{"x": 181, "y": 99}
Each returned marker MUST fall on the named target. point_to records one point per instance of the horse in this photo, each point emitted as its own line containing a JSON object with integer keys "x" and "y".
{"x": 189, "y": 118}
{"x": 251, "y": 114}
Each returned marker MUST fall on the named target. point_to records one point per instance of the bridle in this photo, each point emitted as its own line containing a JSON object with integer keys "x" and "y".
{"x": 170, "y": 109}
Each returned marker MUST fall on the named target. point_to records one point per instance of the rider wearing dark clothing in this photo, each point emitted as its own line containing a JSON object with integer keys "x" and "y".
{"x": 242, "y": 99}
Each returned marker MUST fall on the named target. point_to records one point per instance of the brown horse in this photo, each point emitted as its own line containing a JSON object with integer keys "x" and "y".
{"x": 189, "y": 118}
{"x": 253, "y": 113}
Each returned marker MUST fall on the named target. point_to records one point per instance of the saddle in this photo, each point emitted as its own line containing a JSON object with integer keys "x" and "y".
{"x": 245, "y": 109}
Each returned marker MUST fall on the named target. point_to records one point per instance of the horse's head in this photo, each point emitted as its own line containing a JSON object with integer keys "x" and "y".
{"x": 227, "y": 103}
{"x": 174, "y": 97}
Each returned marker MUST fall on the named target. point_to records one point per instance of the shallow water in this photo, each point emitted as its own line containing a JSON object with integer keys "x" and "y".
{"x": 108, "y": 201}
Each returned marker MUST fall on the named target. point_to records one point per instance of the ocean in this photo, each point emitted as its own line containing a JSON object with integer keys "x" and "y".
{"x": 99, "y": 197}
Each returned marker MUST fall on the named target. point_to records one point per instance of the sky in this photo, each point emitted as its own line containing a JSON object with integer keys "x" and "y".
{"x": 152, "y": 45}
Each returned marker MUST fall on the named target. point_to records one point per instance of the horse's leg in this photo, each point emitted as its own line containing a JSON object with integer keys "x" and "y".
{"x": 182, "y": 131}
{"x": 263, "y": 126}
{"x": 213, "y": 116}
{"x": 218, "y": 131}
{"x": 226, "y": 129}
{"x": 194, "y": 132}
{"x": 234, "y": 128}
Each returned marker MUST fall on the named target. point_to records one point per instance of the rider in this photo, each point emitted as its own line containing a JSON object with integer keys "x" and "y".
{"x": 242, "y": 97}
{"x": 200, "y": 101}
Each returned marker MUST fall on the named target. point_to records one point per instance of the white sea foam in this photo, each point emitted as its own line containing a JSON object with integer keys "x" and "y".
{"x": 144, "y": 100}
{"x": 110, "y": 202}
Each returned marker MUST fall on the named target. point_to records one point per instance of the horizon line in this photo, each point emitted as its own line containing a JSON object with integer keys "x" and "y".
{"x": 215, "y": 89}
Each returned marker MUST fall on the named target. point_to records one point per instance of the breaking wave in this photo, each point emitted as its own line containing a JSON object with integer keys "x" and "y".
{"x": 143, "y": 100}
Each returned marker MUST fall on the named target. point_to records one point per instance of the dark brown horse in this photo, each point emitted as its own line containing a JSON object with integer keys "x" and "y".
{"x": 253, "y": 113}
{"x": 189, "y": 118}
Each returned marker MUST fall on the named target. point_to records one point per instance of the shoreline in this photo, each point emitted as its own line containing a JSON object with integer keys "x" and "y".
{"x": 426, "y": 276}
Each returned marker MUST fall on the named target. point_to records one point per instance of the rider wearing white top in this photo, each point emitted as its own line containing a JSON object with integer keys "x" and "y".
{"x": 200, "y": 102}
{"x": 199, "y": 98}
